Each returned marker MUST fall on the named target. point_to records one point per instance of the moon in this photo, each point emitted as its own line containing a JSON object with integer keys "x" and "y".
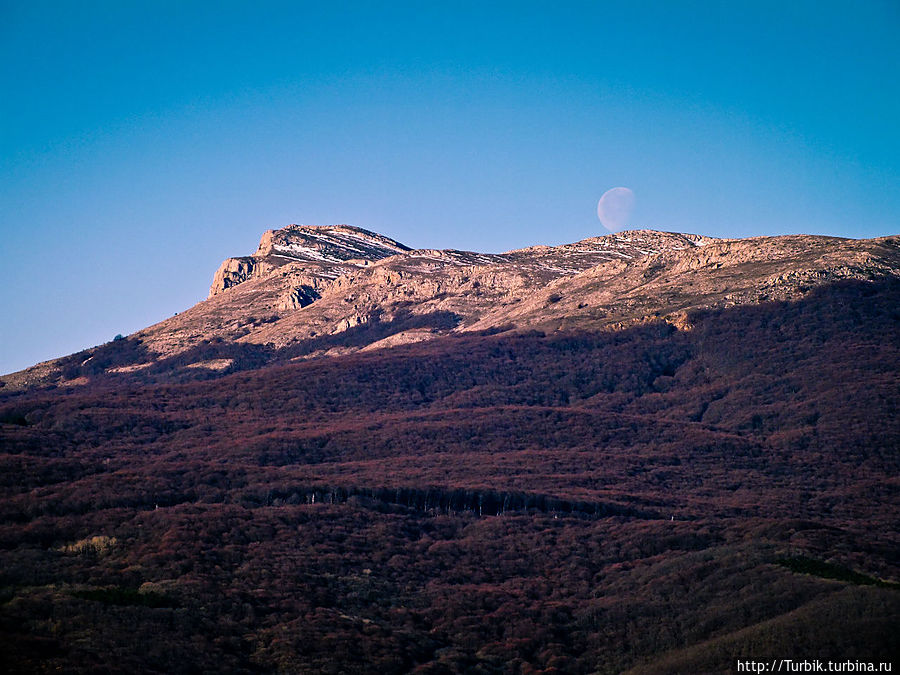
{"x": 614, "y": 208}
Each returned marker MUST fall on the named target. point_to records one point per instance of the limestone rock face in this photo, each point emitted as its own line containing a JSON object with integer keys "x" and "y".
{"x": 300, "y": 296}
{"x": 326, "y": 251}
{"x": 234, "y": 271}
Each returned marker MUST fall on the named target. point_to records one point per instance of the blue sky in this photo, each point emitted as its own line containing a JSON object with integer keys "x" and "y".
{"x": 142, "y": 143}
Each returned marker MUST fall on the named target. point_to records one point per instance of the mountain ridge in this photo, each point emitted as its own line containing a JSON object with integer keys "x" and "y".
{"x": 304, "y": 284}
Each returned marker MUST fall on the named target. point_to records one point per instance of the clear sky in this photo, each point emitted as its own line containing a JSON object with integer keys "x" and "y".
{"x": 143, "y": 142}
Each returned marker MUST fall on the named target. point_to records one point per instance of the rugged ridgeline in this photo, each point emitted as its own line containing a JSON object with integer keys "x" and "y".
{"x": 318, "y": 291}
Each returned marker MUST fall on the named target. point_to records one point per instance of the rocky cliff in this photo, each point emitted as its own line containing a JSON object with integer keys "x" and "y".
{"x": 324, "y": 252}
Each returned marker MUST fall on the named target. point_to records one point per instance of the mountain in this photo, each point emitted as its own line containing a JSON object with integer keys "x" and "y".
{"x": 305, "y": 287}
{"x": 643, "y": 452}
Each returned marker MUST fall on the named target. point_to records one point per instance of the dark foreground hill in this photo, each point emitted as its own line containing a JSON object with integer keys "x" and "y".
{"x": 576, "y": 495}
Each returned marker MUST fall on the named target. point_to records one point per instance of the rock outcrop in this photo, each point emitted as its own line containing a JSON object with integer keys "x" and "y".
{"x": 234, "y": 271}
{"x": 323, "y": 251}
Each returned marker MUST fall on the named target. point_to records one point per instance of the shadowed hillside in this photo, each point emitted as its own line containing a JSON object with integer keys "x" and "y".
{"x": 659, "y": 498}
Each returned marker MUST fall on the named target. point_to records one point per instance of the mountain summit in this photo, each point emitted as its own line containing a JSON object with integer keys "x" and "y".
{"x": 324, "y": 251}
